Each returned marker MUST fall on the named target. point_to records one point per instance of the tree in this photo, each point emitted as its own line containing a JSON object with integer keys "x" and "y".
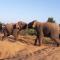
{"x": 50, "y": 19}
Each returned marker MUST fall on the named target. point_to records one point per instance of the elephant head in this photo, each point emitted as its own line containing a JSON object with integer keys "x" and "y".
{"x": 21, "y": 25}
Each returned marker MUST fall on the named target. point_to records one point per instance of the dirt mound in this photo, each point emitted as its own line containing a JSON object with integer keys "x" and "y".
{"x": 9, "y": 49}
{"x": 23, "y": 49}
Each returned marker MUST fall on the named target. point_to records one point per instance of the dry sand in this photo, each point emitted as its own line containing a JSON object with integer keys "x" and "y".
{"x": 23, "y": 49}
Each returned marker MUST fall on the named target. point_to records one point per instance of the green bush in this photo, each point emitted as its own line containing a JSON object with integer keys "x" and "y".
{"x": 28, "y": 32}
{"x": 31, "y": 32}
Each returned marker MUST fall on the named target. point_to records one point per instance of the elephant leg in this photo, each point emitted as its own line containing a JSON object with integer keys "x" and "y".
{"x": 35, "y": 41}
{"x": 5, "y": 35}
{"x": 57, "y": 41}
{"x": 15, "y": 33}
{"x": 40, "y": 40}
{"x": 55, "y": 37}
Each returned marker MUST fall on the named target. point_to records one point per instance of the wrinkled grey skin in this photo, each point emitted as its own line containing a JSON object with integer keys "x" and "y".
{"x": 13, "y": 29}
{"x": 45, "y": 29}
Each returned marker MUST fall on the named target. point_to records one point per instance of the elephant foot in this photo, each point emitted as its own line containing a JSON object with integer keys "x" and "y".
{"x": 3, "y": 38}
{"x": 40, "y": 44}
{"x": 37, "y": 44}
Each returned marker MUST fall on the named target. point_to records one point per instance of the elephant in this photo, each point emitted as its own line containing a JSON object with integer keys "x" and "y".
{"x": 13, "y": 29}
{"x": 47, "y": 29}
{"x": 59, "y": 31}
{"x": 0, "y": 27}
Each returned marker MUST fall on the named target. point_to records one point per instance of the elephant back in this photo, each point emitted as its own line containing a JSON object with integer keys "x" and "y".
{"x": 52, "y": 26}
{"x": 53, "y": 29}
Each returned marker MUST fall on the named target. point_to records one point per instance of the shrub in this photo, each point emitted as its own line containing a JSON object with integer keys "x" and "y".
{"x": 31, "y": 32}
{"x": 28, "y": 32}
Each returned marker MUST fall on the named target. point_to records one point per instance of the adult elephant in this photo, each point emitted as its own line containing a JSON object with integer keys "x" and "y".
{"x": 59, "y": 31}
{"x": 45, "y": 29}
{"x": 13, "y": 29}
{"x": 1, "y": 27}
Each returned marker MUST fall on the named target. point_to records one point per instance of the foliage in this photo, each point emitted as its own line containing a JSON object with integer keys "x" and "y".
{"x": 28, "y": 32}
{"x": 48, "y": 40}
{"x": 31, "y": 32}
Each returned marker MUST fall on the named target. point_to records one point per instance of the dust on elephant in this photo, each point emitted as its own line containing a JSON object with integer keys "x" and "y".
{"x": 13, "y": 29}
{"x": 45, "y": 29}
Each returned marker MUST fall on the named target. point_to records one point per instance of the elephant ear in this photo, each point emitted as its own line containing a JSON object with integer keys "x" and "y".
{"x": 17, "y": 26}
{"x": 32, "y": 24}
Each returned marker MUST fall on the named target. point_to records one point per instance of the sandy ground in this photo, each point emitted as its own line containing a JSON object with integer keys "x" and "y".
{"x": 23, "y": 49}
